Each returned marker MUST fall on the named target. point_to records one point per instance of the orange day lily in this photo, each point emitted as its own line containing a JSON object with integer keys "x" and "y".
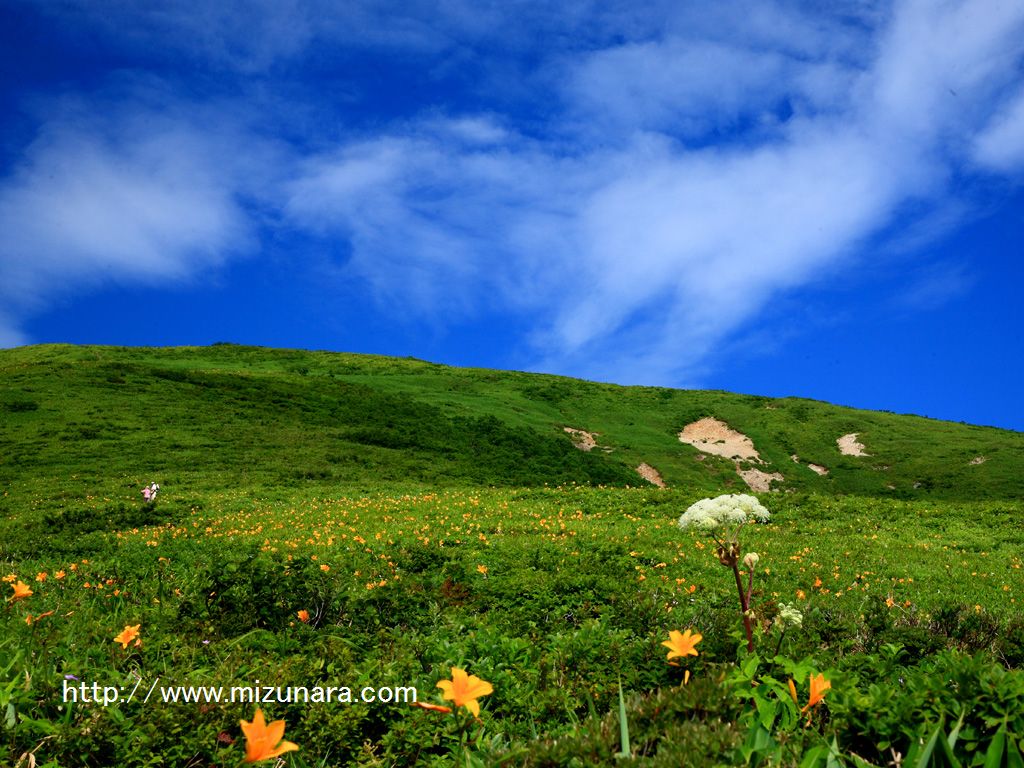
{"x": 262, "y": 741}
{"x": 21, "y": 590}
{"x": 303, "y": 615}
{"x": 682, "y": 643}
{"x": 818, "y": 687}
{"x": 128, "y": 634}
{"x": 465, "y": 689}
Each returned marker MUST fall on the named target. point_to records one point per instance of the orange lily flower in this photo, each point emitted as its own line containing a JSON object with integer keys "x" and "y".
{"x": 128, "y": 634}
{"x": 262, "y": 741}
{"x": 818, "y": 687}
{"x": 464, "y": 690}
{"x": 792, "y": 692}
{"x": 682, "y": 643}
{"x": 21, "y": 590}
{"x": 303, "y": 615}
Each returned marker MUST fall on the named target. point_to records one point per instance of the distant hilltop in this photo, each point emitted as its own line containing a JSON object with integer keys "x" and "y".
{"x": 215, "y": 416}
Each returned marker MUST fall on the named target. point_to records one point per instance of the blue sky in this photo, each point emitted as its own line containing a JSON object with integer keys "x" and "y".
{"x": 781, "y": 198}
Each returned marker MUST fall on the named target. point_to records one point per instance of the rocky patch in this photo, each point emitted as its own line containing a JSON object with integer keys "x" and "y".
{"x": 848, "y": 445}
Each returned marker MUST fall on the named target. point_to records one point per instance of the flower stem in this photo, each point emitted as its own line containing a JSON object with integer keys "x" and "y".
{"x": 744, "y": 606}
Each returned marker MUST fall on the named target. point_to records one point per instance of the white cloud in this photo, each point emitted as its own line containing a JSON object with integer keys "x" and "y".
{"x": 144, "y": 199}
{"x": 1000, "y": 147}
{"x": 653, "y": 252}
{"x": 682, "y": 169}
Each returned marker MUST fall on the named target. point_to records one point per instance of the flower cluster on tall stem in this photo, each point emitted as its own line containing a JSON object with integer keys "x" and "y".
{"x": 722, "y": 518}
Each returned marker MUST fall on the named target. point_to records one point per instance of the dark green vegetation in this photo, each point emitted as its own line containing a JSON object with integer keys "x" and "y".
{"x": 402, "y": 506}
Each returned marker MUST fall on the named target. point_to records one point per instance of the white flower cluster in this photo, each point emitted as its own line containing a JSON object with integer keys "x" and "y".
{"x": 729, "y": 511}
{"x": 789, "y": 616}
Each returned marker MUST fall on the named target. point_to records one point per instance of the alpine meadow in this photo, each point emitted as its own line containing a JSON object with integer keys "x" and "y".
{"x": 229, "y": 554}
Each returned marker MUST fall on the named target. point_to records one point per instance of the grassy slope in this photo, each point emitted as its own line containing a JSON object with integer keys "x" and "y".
{"x": 107, "y": 418}
{"x": 213, "y": 416}
{"x": 277, "y": 464}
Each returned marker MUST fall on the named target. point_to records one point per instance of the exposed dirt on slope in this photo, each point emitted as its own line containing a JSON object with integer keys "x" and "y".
{"x": 816, "y": 468}
{"x": 585, "y": 441}
{"x": 716, "y": 437}
{"x": 978, "y": 460}
{"x": 848, "y": 445}
{"x": 650, "y": 474}
{"x": 758, "y": 480}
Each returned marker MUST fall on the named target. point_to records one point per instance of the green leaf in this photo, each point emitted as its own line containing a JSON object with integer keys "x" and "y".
{"x": 832, "y": 760}
{"x": 924, "y": 759}
{"x": 750, "y": 665}
{"x": 996, "y": 749}
{"x": 815, "y": 757}
{"x": 1013, "y": 755}
{"x": 955, "y": 733}
{"x": 623, "y": 727}
{"x": 767, "y": 711}
{"x": 759, "y": 740}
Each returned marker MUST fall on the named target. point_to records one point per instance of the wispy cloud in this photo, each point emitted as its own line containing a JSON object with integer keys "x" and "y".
{"x": 138, "y": 195}
{"x": 655, "y": 250}
{"x": 1000, "y": 146}
{"x": 634, "y": 184}
{"x": 931, "y": 288}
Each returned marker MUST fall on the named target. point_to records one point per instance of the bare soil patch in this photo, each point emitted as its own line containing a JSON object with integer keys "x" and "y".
{"x": 585, "y": 441}
{"x": 650, "y": 474}
{"x": 978, "y": 460}
{"x": 759, "y": 480}
{"x": 848, "y": 445}
{"x": 716, "y": 437}
{"x": 816, "y": 468}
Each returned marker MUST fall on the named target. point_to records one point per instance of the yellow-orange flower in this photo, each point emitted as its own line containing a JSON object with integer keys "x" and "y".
{"x": 128, "y": 634}
{"x": 21, "y": 590}
{"x": 464, "y": 690}
{"x": 792, "y": 692}
{"x": 682, "y": 643}
{"x": 818, "y": 687}
{"x": 303, "y": 615}
{"x": 482, "y": 569}
{"x": 262, "y": 741}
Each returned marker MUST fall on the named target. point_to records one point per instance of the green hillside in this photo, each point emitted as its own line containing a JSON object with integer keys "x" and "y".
{"x": 336, "y": 522}
{"x": 112, "y": 418}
